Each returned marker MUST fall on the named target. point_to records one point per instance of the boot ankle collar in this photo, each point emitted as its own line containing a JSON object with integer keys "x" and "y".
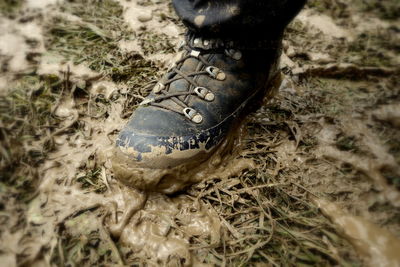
{"x": 200, "y": 42}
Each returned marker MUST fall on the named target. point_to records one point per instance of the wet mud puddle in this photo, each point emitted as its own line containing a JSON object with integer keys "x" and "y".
{"x": 153, "y": 227}
{"x": 161, "y": 227}
{"x": 149, "y": 226}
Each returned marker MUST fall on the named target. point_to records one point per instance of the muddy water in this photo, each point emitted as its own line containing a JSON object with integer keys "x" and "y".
{"x": 159, "y": 226}
{"x": 378, "y": 246}
{"x": 163, "y": 229}
{"x": 156, "y": 227}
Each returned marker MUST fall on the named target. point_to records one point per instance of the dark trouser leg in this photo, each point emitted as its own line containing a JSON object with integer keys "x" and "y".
{"x": 253, "y": 21}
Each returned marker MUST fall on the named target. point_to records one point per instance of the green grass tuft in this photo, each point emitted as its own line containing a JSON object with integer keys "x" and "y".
{"x": 27, "y": 120}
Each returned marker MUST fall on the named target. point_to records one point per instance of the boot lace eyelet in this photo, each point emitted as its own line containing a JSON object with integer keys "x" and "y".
{"x": 204, "y": 93}
{"x": 164, "y": 91}
{"x": 216, "y": 73}
{"x": 193, "y": 115}
{"x": 235, "y": 54}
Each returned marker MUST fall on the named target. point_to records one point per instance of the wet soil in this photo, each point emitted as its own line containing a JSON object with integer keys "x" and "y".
{"x": 313, "y": 177}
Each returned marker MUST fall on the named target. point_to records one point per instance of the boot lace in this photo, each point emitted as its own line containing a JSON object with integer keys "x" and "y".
{"x": 162, "y": 92}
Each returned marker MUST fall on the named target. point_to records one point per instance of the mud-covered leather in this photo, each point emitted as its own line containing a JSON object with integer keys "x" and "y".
{"x": 154, "y": 128}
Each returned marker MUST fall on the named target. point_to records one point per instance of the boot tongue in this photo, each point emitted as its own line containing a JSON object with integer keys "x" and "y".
{"x": 189, "y": 66}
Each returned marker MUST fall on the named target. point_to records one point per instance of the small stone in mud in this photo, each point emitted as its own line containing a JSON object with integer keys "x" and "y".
{"x": 145, "y": 17}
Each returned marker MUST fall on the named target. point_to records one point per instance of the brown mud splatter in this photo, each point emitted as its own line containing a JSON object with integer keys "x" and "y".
{"x": 377, "y": 245}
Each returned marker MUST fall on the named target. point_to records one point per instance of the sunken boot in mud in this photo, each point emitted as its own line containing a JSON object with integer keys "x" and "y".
{"x": 190, "y": 113}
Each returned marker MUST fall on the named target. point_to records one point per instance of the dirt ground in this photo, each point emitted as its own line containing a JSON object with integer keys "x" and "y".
{"x": 313, "y": 178}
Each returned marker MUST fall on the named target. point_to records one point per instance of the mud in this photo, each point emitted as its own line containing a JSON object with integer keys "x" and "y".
{"x": 153, "y": 238}
{"x": 388, "y": 113}
{"x": 154, "y": 230}
{"x": 252, "y": 196}
{"x": 377, "y": 245}
{"x": 20, "y": 45}
{"x": 152, "y": 225}
{"x": 223, "y": 163}
{"x": 323, "y": 23}
{"x": 371, "y": 167}
{"x": 41, "y": 4}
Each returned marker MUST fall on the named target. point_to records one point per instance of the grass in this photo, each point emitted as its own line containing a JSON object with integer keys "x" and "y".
{"x": 155, "y": 43}
{"x": 347, "y": 143}
{"x": 386, "y": 9}
{"x": 27, "y": 111}
{"x": 374, "y": 47}
{"x": 94, "y": 40}
{"x": 275, "y": 224}
{"x": 92, "y": 181}
{"x": 269, "y": 215}
{"x": 27, "y": 120}
{"x": 270, "y": 222}
{"x": 90, "y": 245}
{"x": 369, "y": 48}
{"x": 10, "y": 8}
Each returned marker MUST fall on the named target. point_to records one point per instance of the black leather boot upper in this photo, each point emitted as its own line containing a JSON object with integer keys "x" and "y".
{"x": 193, "y": 107}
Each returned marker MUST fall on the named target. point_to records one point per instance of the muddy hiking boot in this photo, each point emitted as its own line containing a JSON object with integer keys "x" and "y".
{"x": 191, "y": 111}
